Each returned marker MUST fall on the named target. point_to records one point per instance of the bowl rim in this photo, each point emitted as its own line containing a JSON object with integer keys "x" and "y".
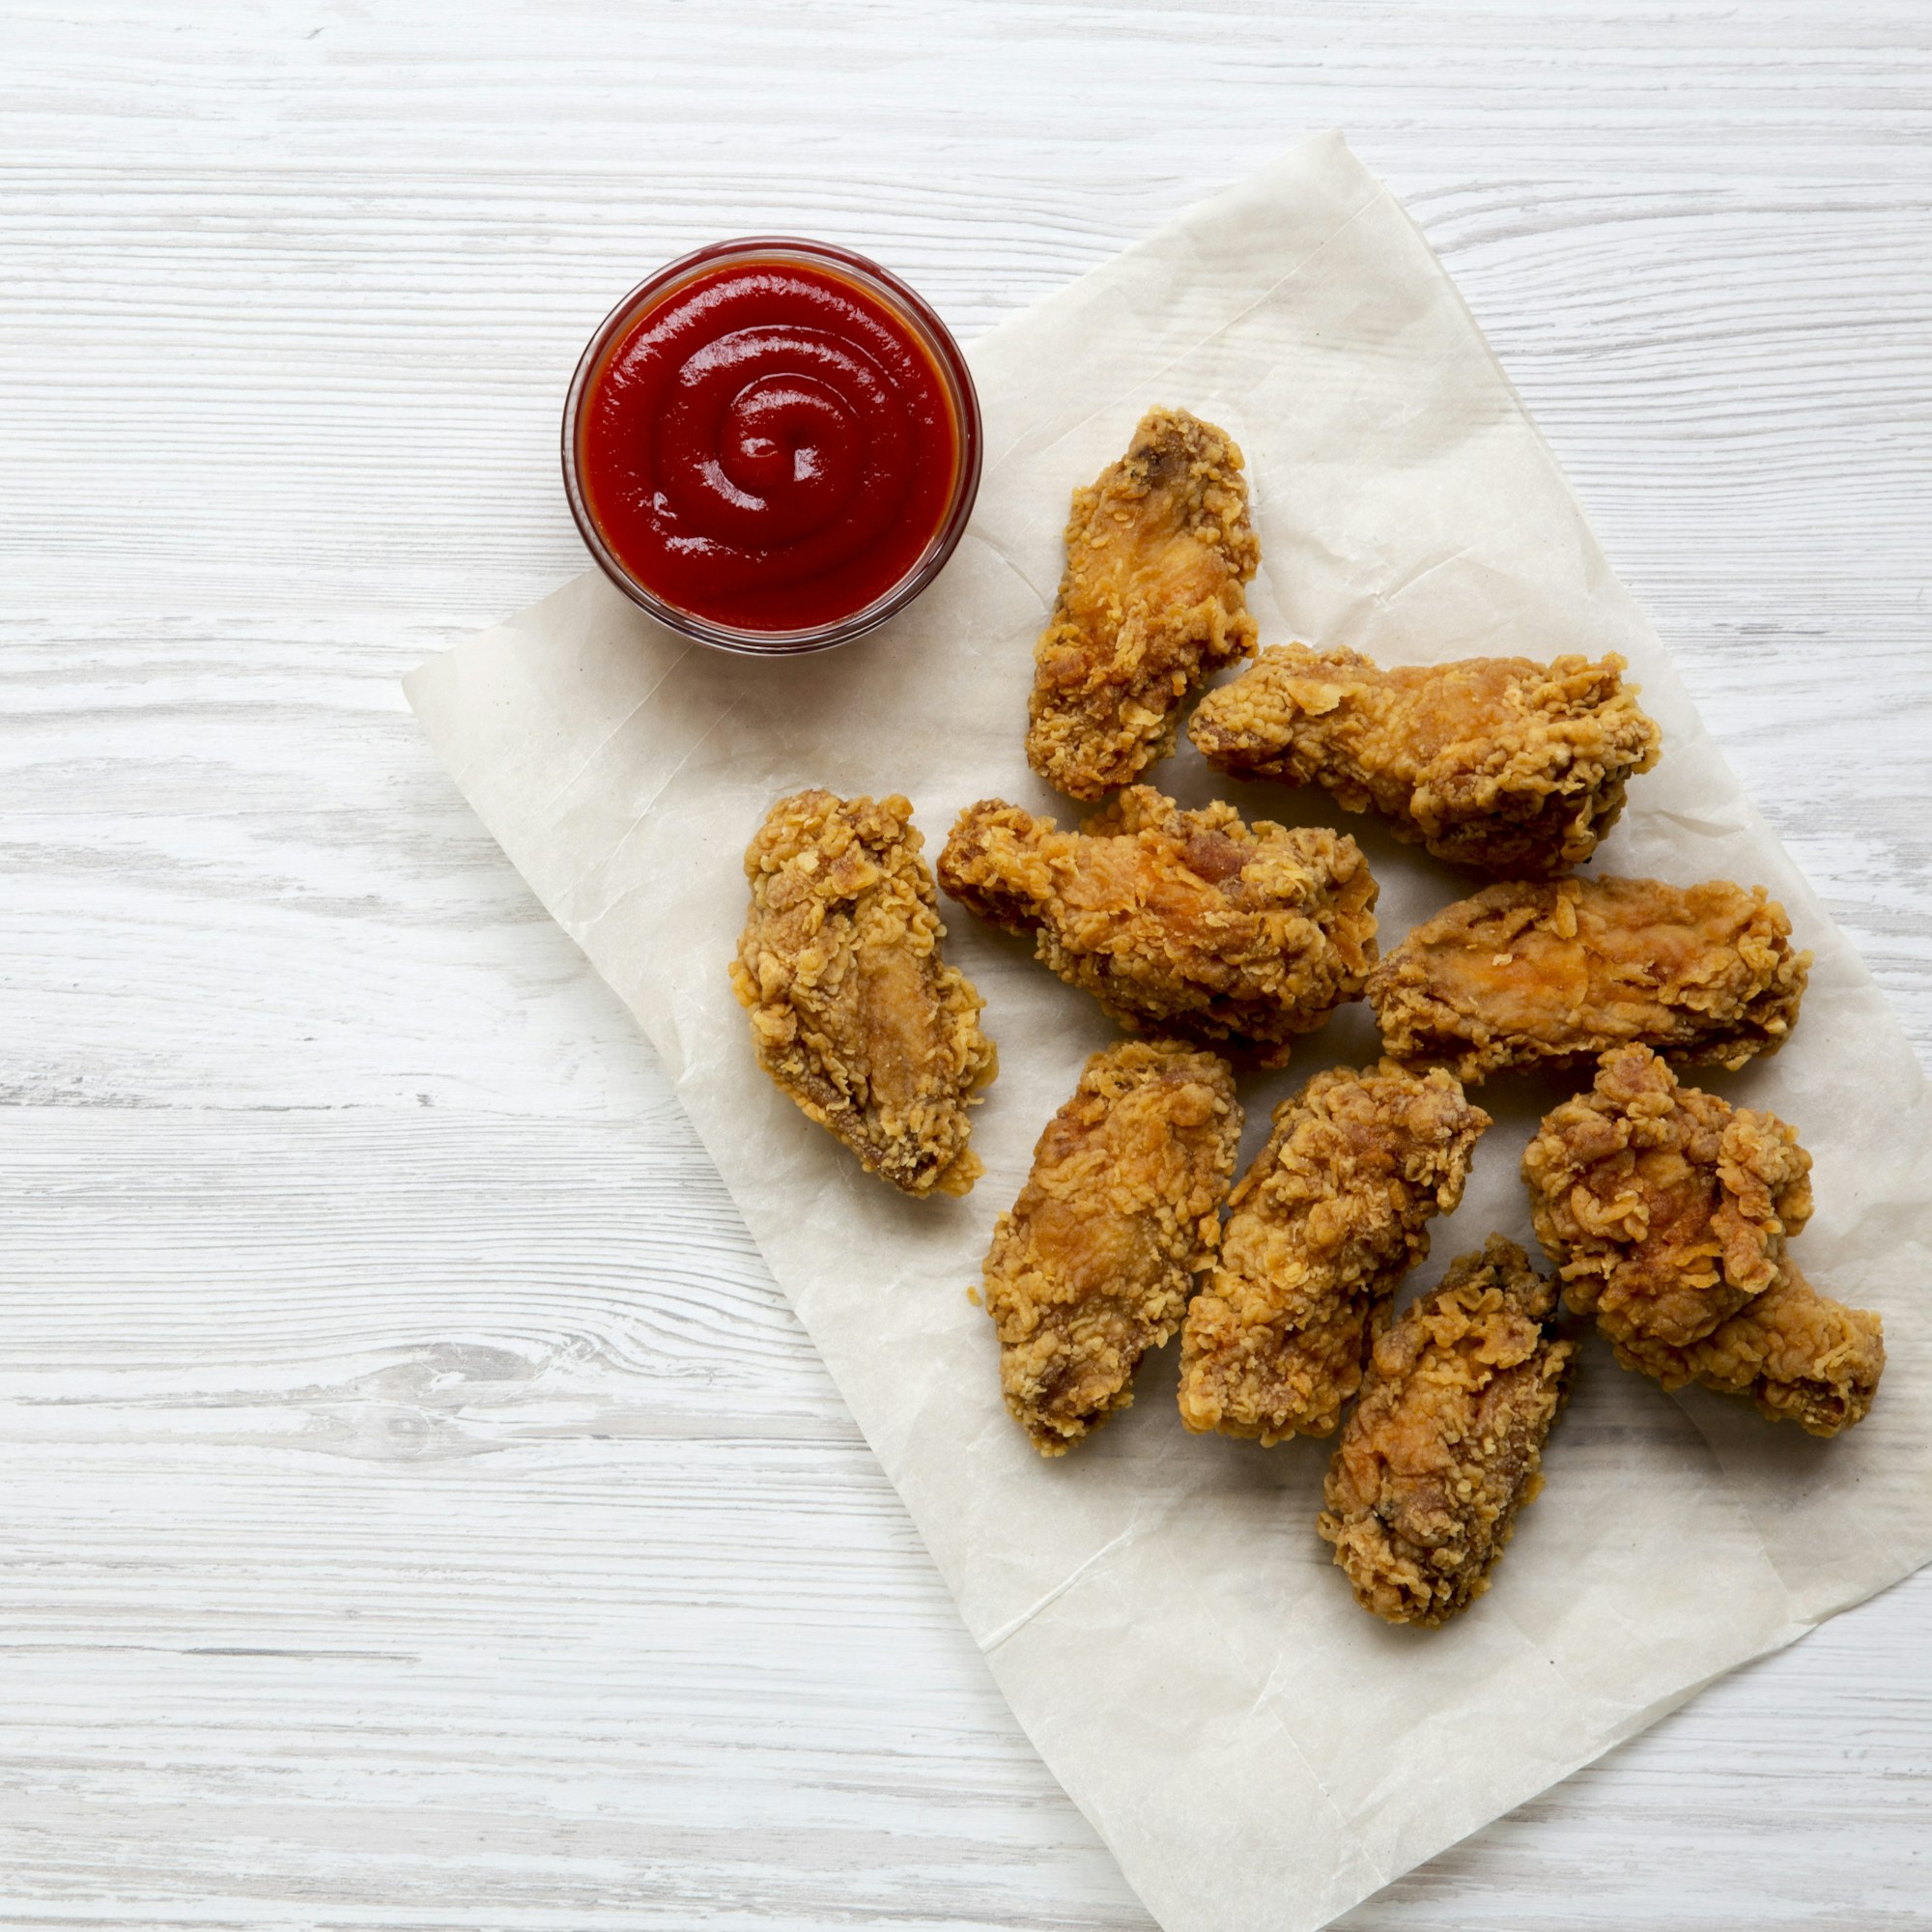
{"x": 935, "y": 337}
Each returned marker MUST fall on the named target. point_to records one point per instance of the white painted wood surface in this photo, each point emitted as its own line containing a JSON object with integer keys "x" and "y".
{"x": 416, "y": 1507}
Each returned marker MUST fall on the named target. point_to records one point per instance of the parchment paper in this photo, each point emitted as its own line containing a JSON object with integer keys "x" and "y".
{"x": 1257, "y": 1751}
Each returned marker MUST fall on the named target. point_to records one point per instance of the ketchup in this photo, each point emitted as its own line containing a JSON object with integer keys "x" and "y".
{"x": 770, "y": 447}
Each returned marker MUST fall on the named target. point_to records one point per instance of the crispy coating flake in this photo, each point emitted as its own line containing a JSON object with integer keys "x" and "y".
{"x": 1503, "y": 765}
{"x": 1179, "y": 921}
{"x": 1331, "y": 1216}
{"x": 1094, "y": 1266}
{"x": 1158, "y": 551}
{"x": 1446, "y": 1444}
{"x": 1799, "y": 1355}
{"x": 853, "y": 1014}
{"x": 1666, "y": 1210}
{"x": 1551, "y": 974}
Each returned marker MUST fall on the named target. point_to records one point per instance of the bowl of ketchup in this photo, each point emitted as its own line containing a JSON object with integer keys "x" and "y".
{"x": 772, "y": 446}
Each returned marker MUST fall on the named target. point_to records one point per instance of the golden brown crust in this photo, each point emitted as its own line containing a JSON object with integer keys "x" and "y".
{"x": 1552, "y": 973}
{"x": 1178, "y": 922}
{"x": 1799, "y": 1355}
{"x": 1331, "y": 1216}
{"x": 1503, "y": 765}
{"x": 853, "y": 1014}
{"x": 1094, "y": 1266}
{"x": 1666, "y": 1210}
{"x": 1446, "y": 1444}
{"x": 1157, "y": 549}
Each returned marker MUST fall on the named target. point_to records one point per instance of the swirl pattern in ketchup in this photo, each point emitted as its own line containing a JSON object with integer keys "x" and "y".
{"x": 769, "y": 448}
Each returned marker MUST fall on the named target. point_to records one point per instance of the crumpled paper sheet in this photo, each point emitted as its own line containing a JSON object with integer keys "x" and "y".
{"x": 1255, "y": 1750}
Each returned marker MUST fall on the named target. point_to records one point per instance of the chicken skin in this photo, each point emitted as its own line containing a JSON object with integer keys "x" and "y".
{"x": 1551, "y": 974}
{"x": 1446, "y": 1444}
{"x": 1323, "y": 1226}
{"x": 853, "y": 1014}
{"x": 1158, "y": 551}
{"x": 1094, "y": 1266}
{"x": 1502, "y": 764}
{"x": 1666, "y": 1211}
{"x": 1178, "y": 922}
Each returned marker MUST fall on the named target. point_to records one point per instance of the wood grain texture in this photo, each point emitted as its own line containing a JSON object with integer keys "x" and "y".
{"x": 419, "y": 1508}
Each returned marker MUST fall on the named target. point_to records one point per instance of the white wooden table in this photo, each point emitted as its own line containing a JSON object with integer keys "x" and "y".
{"x": 417, "y": 1509}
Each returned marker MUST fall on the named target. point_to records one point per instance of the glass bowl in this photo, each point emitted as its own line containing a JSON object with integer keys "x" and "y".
{"x": 920, "y": 321}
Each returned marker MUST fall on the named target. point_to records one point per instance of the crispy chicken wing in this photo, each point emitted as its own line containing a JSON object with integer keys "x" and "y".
{"x": 1500, "y": 763}
{"x": 1549, "y": 974}
{"x": 1178, "y": 922}
{"x": 1158, "y": 551}
{"x": 853, "y": 1012}
{"x": 1094, "y": 1266}
{"x": 1666, "y": 1211}
{"x": 1446, "y": 1444}
{"x": 1331, "y": 1216}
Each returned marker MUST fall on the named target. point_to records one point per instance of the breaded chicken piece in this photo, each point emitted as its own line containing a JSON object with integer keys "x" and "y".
{"x": 1325, "y": 1225}
{"x": 1094, "y": 1266}
{"x": 1446, "y": 1444}
{"x": 853, "y": 1014}
{"x": 1504, "y": 764}
{"x": 1799, "y": 1355}
{"x": 1664, "y": 1208}
{"x": 1158, "y": 551}
{"x": 1551, "y": 974}
{"x": 1178, "y": 922}
{"x": 1666, "y": 1211}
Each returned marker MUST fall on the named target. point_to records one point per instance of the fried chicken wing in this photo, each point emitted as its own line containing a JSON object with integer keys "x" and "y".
{"x": 1178, "y": 922}
{"x": 853, "y": 1014}
{"x": 1551, "y": 974}
{"x": 1158, "y": 551}
{"x": 1446, "y": 1444}
{"x": 1499, "y": 764}
{"x": 1666, "y": 1211}
{"x": 1325, "y": 1225}
{"x": 1094, "y": 1266}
